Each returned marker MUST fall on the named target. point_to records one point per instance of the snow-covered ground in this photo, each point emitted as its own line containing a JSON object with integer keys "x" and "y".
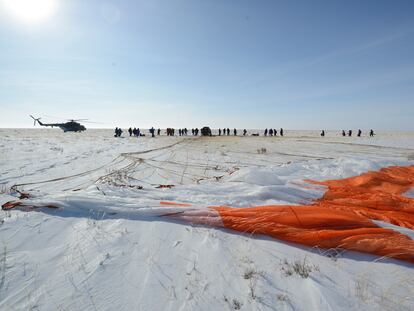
{"x": 105, "y": 249}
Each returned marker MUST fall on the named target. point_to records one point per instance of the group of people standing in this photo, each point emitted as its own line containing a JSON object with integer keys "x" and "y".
{"x": 221, "y": 132}
{"x": 273, "y": 132}
{"x": 349, "y": 134}
{"x": 135, "y": 131}
{"x": 118, "y": 132}
{"x": 194, "y": 131}
{"x": 270, "y": 132}
{"x": 169, "y": 131}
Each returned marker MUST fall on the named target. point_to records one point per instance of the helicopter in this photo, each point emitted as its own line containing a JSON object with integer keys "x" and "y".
{"x": 71, "y": 126}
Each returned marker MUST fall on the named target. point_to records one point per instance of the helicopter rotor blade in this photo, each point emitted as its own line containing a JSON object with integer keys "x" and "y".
{"x": 34, "y": 119}
{"x": 75, "y": 120}
{"x": 92, "y": 122}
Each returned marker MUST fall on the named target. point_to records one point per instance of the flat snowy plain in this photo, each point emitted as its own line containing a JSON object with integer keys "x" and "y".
{"x": 106, "y": 249}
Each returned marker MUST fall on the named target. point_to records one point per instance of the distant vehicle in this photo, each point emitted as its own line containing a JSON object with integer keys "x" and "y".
{"x": 71, "y": 126}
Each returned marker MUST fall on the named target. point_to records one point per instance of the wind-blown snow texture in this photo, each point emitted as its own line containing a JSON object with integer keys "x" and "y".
{"x": 107, "y": 249}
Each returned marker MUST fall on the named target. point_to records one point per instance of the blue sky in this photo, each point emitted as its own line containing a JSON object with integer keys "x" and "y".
{"x": 246, "y": 64}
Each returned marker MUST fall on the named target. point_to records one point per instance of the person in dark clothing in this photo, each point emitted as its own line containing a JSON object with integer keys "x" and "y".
{"x": 152, "y": 131}
{"x": 323, "y": 133}
{"x": 130, "y": 132}
{"x": 343, "y": 133}
{"x": 350, "y": 133}
{"x": 235, "y": 132}
{"x": 371, "y": 133}
{"x": 359, "y": 133}
{"x": 228, "y": 131}
{"x": 281, "y": 132}
{"x": 179, "y": 132}
{"x": 265, "y": 132}
{"x": 119, "y": 132}
{"x": 138, "y": 132}
{"x": 244, "y": 132}
{"x": 116, "y": 132}
{"x": 271, "y": 132}
{"x": 219, "y": 132}
{"x": 275, "y": 132}
{"x": 159, "y": 132}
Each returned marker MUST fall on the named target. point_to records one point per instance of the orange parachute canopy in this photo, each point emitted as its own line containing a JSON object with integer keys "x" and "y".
{"x": 340, "y": 219}
{"x": 375, "y": 195}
